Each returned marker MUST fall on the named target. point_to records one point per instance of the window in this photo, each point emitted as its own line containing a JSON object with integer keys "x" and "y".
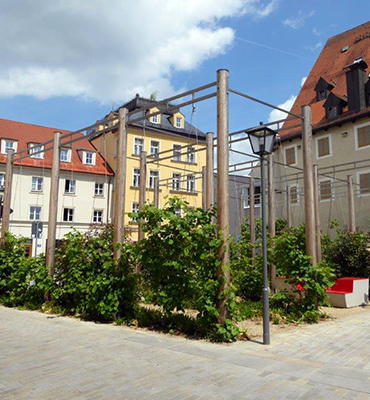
{"x": 136, "y": 178}
{"x": 134, "y": 210}
{"x": 290, "y": 156}
{"x": 7, "y": 145}
{"x": 364, "y": 183}
{"x": 155, "y": 119}
{"x": 65, "y": 155}
{"x": 98, "y": 216}
{"x": 89, "y": 158}
{"x": 138, "y": 146}
{"x": 36, "y": 184}
{"x": 99, "y": 189}
{"x": 35, "y": 148}
{"x": 191, "y": 155}
{"x": 257, "y": 196}
{"x": 294, "y": 195}
{"x": 68, "y": 214}
{"x": 323, "y": 147}
{"x": 321, "y": 95}
{"x": 363, "y": 136}
{"x": 152, "y": 175}
{"x": 325, "y": 190}
{"x": 190, "y": 183}
{"x": 176, "y": 152}
{"x": 154, "y": 148}
{"x": 178, "y": 122}
{"x": 176, "y": 182}
{"x": 2, "y": 181}
{"x": 35, "y": 213}
{"x": 70, "y": 186}
{"x": 332, "y": 112}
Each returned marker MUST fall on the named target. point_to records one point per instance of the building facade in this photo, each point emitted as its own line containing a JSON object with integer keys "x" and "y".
{"x": 338, "y": 91}
{"x": 85, "y": 185}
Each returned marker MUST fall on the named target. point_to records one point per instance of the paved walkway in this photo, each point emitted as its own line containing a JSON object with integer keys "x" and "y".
{"x": 48, "y": 357}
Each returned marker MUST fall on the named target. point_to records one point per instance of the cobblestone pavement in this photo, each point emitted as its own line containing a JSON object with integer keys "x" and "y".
{"x": 49, "y": 357}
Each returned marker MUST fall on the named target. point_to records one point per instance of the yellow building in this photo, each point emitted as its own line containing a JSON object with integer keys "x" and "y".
{"x": 179, "y": 174}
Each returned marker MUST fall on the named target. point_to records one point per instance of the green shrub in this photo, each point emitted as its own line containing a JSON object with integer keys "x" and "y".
{"x": 88, "y": 282}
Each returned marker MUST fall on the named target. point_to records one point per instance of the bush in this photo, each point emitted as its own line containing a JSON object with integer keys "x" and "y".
{"x": 349, "y": 253}
{"x": 89, "y": 282}
{"x": 179, "y": 259}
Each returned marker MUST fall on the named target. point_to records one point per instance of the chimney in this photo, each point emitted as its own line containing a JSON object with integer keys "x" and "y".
{"x": 356, "y": 79}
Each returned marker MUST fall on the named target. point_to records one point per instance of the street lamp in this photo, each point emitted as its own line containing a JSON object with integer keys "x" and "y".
{"x": 262, "y": 141}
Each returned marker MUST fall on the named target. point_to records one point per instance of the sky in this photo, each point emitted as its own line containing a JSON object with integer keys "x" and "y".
{"x": 67, "y": 63}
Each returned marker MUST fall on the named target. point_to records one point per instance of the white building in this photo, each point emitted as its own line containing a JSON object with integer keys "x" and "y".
{"x": 85, "y": 185}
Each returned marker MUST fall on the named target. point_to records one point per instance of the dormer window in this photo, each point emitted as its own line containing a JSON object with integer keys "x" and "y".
{"x": 323, "y": 89}
{"x": 334, "y": 106}
{"x": 65, "y": 155}
{"x": 89, "y": 158}
{"x": 332, "y": 112}
{"x": 7, "y": 144}
{"x": 35, "y": 150}
{"x": 178, "y": 122}
{"x": 155, "y": 119}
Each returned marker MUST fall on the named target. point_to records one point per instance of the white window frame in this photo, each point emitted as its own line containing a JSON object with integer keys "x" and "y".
{"x": 142, "y": 147}
{"x": 135, "y": 206}
{"x": 295, "y": 155}
{"x": 174, "y": 180}
{"x": 34, "y": 214}
{"x": 32, "y": 148}
{"x": 190, "y": 181}
{"x": 331, "y": 187}
{"x": 365, "y": 171}
{"x": 190, "y": 155}
{"x": 256, "y": 195}
{"x": 133, "y": 177}
{"x": 151, "y": 178}
{"x": 2, "y": 179}
{"x": 155, "y": 119}
{"x": 42, "y": 184}
{"x": 296, "y": 185}
{"x": 73, "y": 214}
{"x": 178, "y": 122}
{"x": 95, "y": 217}
{"x": 3, "y": 145}
{"x": 153, "y": 147}
{"x": 68, "y": 155}
{"x": 97, "y": 189}
{"x": 317, "y": 146}
{"x": 69, "y": 190}
{"x": 356, "y": 136}
{"x": 174, "y": 157}
{"x": 93, "y": 157}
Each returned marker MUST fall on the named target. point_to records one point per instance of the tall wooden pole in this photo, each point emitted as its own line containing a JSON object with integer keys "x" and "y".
{"x": 223, "y": 216}
{"x": 142, "y": 190}
{"x": 204, "y": 188}
{"x": 288, "y": 208}
{"x": 309, "y": 205}
{"x": 242, "y": 215}
{"x": 351, "y": 205}
{"x": 252, "y": 220}
{"x": 317, "y": 213}
{"x": 156, "y": 192}
{"x": 53, "y": 205}
{"x": 209, "y": 172}
{"x": 271, "y": 210}
{"x": 7, "y": 195}
{"x": 120, "y": 189}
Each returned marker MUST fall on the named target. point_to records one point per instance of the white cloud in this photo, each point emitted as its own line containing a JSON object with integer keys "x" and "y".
{"x": 111, "y": 51}
{"x": 299, "y": 20}
{"x": 303, "y": 80}
{"x": 316, "y": 32}
{"x": 314, "y": 47}
{"x": 276, "y": 115}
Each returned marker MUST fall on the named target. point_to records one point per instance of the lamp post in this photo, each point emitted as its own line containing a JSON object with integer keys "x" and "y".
{"x": 262, "y": 141}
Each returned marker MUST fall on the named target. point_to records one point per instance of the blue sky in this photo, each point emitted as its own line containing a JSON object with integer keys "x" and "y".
{"x": 70, "y": 64}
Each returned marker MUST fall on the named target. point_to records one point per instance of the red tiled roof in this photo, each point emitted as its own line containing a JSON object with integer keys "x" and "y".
{"x": 27, "y": 133}
{"x": 330, "y": 66}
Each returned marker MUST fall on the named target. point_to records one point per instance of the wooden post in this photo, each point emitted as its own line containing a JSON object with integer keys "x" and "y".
{"x": 204, "y": 188}
{"x": 209, "y": 172}
{"x": 288, "y": 208}
{"x": 309, "y": 205}
{"x": 351, "y": 205}
{"x": 156, "y": 192}
{"x": 242, "y": 216}
{"x": 252, "y": 220}
{"x": 120, "y": 190}
{"x": 317, "y": 213}
{"x": 271, "y": 210}
{"x": 223, "y": 216}
{"x": 7, "y": 195}
{"x": 142, "y": 190}
{"x": 53, "y": 205}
